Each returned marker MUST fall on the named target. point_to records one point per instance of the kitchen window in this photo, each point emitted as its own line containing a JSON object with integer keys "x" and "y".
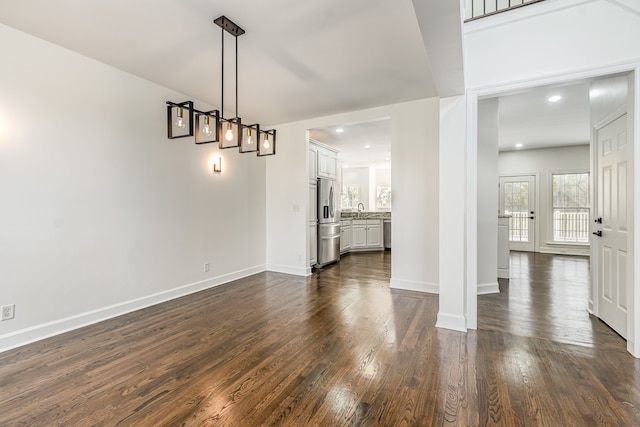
{"x": 383, "y": 198}
{"x": 350, "y": 197}
{"x": 570, "y": 207}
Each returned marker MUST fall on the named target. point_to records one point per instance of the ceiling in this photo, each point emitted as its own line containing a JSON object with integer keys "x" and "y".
{"x": 526, "y": 117}
{"x": 530, "y": 119}
{"x": 365, "y": 144}
{"x": 297, "y": 60}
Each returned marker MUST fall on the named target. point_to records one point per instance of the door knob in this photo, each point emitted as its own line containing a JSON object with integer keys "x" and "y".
{"x": 597, "y": 233}
{"x": 598, "y": 220}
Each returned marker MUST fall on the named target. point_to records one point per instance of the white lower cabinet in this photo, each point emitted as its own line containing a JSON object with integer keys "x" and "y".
{"x": 359, "y": 236}
{"x": 366, "y": 234}
{"x": 374, "y": 233}
{"x": 345, "y": 235}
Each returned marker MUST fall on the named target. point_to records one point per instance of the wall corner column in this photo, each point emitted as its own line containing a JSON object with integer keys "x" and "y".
{"x": 452, "y": 197}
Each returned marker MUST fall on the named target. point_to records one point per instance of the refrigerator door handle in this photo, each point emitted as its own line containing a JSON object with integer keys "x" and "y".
{"x": 331, "y": 210}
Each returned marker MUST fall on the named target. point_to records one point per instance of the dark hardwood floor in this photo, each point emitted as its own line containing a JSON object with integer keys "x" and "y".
{"x": 338, "y": 348}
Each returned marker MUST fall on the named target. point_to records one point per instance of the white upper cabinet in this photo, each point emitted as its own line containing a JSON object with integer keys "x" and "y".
{"x": 327, "y": 161}
{"x": 327, "y": 164}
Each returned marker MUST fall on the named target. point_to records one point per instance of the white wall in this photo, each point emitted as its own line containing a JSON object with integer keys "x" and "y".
{"x": 414, "y": 168}
{"x": 488, "y": 196}
{"x": 549, "y": 38}
{"x": 455, "y": 218}
{"x": 383, "y": 177}
{"x": 101, "y": 213}
{"x": 414, "y": 211}
{"x": 542, "y": 163}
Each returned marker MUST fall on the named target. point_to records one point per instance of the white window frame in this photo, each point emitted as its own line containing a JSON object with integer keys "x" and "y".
{"x": 381, "y": 209}
{"x": 343, "y": 208}
{"x": 550, "y": 237}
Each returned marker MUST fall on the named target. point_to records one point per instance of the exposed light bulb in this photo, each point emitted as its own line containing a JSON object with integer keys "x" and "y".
{"x": 180, "y": 119}
{"x": 249, "y": 139}
{"x": 266, "y": 144}
{"x": 229, "y": 133}
{"x": 206, "y": 129}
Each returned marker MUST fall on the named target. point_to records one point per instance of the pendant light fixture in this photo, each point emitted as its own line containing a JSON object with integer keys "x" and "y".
{"x": 211, "y": 126}
{"x": 179, "y": 125}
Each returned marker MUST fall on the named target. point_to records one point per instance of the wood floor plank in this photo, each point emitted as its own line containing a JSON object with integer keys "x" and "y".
{"x": 336, "y": 349}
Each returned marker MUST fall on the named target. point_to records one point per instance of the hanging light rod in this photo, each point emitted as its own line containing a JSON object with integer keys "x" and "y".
{"x": 184, "y": 120}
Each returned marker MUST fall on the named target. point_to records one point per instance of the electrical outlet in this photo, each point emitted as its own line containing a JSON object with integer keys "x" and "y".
{"x": 206, "y": 267}
{"x": 8, "y": 311}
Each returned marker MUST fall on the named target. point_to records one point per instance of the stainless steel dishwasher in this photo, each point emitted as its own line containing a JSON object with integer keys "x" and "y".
{"x": 387, "y": 233}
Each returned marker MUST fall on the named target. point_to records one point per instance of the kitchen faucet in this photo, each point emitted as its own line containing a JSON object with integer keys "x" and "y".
{"x": 360, "y": 204}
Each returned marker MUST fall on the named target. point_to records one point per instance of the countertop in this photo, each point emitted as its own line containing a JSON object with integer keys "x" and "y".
{"x": 365, "y": 215}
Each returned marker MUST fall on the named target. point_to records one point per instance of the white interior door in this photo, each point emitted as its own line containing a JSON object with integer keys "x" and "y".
{"x": 517, "y": 198}
{"x": 611, "y": 227}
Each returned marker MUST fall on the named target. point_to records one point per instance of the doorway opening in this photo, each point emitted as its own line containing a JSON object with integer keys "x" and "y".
{"x": 358, "y": 156}
{"x": 561, "y": 170}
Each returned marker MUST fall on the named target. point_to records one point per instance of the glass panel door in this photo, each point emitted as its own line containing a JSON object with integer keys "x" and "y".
{"x": 517, "y": 199}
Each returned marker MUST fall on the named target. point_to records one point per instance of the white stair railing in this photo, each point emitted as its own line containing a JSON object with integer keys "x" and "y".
{"x": 475, "y": 9}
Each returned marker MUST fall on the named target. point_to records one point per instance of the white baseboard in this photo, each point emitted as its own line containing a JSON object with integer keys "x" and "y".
{"x": 504, "y": 273}
{"x": 488, "y": 288}
{"x": 365, "y": 249}
{"x": 411, "y": 285}
{"x": 289, "y": 269}
{"x": 633, "y": 349}
{"x": 56, "y": 327}
{"x": 451, "y": 321}
{"x": 581, "y": 251}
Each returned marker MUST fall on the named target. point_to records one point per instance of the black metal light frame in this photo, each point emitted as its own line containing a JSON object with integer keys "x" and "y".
{"x": 204, "y": 115}
{"x": 271, "y": 150}
{"x": 240, "y": 131}
{"x": 236, "y": 126}
{"x": 186, "y": 105}
{"x": 248, "y": 132}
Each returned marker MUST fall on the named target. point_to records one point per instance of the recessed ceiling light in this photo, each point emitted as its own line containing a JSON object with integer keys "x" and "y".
{"x": 519, "y": 145}
{"x": 339, "y": 130}
{"x": 555, "y": 98}
{"x": 367, "y": 146}
{"x": 387, "y": 159}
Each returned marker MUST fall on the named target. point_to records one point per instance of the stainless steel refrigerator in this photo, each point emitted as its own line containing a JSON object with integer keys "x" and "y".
{"x": 328, "y": 222}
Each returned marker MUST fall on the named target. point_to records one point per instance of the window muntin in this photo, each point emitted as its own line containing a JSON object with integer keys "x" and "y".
{"x": 570, "y": 207}
{"x": 350, "y": 197}
{"x": 383, "y": 198}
